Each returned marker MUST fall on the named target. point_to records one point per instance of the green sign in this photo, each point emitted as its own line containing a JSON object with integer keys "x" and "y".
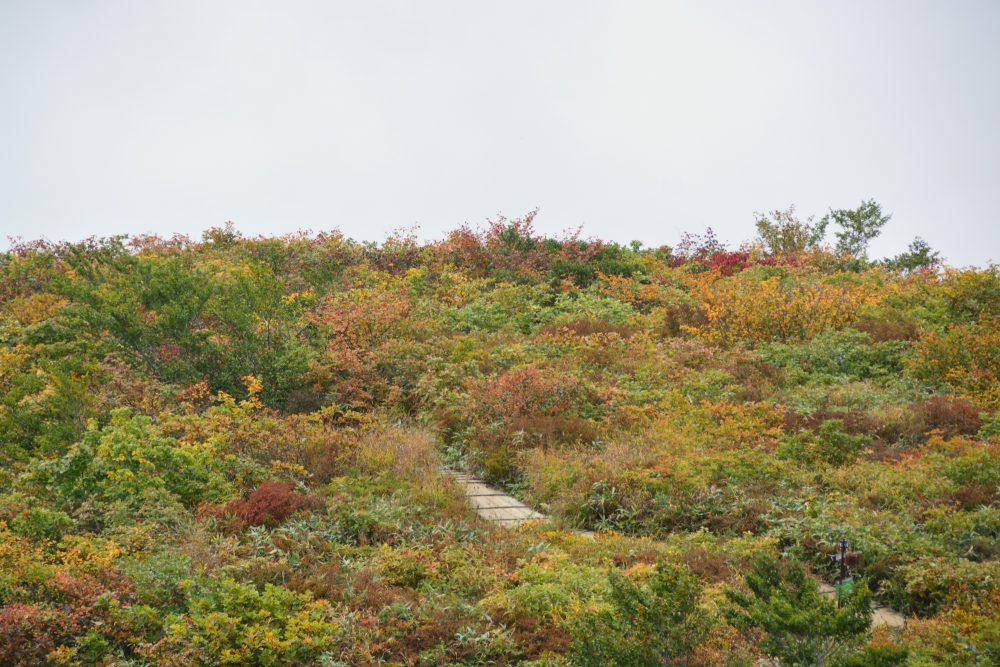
{"x": 843, "y": 589}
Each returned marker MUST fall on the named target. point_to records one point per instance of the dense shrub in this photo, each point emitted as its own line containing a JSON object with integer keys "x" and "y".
{"x": 657, "y": 622}
{"x": 127, "y": 462}
{"x": 800, "y": 626}
{"x": 950, "y": 416}
{"x": 268, "y": 505}
{"x": 760, "y": 306}
{"x": 964, "y": 358}
{"x": 232, "y": 623}
{"x": 588, "y": 327}
{"x": 523, "y": 408}
{"x": 971, "y": 294}
{"x": 830, "y": 443}
{"x": 837, "y": 355}
{"x": 73, "y": 614}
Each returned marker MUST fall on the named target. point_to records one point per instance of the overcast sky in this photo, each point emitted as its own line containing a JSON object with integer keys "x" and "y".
{"x": 637, "y": 120}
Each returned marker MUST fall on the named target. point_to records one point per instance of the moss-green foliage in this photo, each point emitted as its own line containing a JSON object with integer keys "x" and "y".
{"x": 829, "y": 444}
{"x": 228, "y": 451}
{"x": 838, "y": 356}
{"x": 126, "y": 462}
{"x": 800, "y": 626}
{"x": 660, "y": 622}
{"x": 229, "y": 622}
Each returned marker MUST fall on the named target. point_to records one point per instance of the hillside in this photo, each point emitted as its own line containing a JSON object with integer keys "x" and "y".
{"x": 230, "y": 451}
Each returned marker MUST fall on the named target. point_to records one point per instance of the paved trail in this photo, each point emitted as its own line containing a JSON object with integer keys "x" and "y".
{"x": 495, "y": 506}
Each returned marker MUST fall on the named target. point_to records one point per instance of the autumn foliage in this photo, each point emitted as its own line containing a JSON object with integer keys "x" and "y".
{"x": 229, "y": 450}
{"x": 268, "y": 505}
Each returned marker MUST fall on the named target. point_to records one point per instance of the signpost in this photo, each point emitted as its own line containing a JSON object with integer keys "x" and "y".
{"x": 844, "y": 584}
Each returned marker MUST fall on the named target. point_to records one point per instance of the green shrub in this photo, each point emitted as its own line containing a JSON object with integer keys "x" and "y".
{"x": 657, "y": 622}
{"x": 126, "y": 461}
{"x": 160, "y": 578}
{"x": 800, "y": 626}
{"x": 42, "y": 523}
{"x": 829, "y": 444}
{"x": 838, "y": 355}
{"x": 230, "y": 623}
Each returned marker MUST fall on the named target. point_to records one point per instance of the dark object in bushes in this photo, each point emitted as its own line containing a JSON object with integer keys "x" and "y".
{"x": 971, "y": 496}
{"x": 269, "y": 504}
{"x": 303, "y": 400}
{"x": 830, "y": 443}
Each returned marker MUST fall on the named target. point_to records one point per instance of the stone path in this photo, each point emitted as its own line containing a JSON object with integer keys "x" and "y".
{"x": 495, "y": 506}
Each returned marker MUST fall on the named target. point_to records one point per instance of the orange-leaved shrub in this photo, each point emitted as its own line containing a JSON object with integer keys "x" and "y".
{"x": 757, "y": 306}
{"x": 965, "y": 358}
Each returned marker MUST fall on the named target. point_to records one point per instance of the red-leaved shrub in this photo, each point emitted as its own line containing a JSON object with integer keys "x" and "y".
{"x": 951, "y": 416}
{"x": 268, "y": 505}
{"x": 75, "y": 604}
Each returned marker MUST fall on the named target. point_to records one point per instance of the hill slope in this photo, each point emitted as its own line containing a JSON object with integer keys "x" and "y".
{"x": 229, "y": 452}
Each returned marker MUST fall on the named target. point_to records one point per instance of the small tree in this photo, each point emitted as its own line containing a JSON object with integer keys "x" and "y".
{"x": 857, "y": 226}
{"x": 782, "y": 233}
{"x": 801, "y": 626}
{"x": 657, "y": 623}
{"x": 699, "y": 247}
{"x": 918, "y": 256}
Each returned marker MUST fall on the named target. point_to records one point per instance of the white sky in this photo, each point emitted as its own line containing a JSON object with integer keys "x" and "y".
{"x": 638, "y": 120}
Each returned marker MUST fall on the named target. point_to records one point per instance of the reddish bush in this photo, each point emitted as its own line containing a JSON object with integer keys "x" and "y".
{"x": 268, "y": 505}
{"x": 29, "y": 632}
{"x": 549, "y": 430}
{"x": 438, "y": 628}
{"x": 755, "y": 377}
{"x": 538, "y": 636}
{"x": 368, "y": 592}
{"x": 508, "y": 249}
{"x": 853, "y": 421}
{"x": 728, "y": 263}
{"x": 325, "y": 581}
{"x": 974, "y": 495}
{"x": 886, "y": 329}
{"x": 526, "y": 407}
{"x": 630, "y": 558}
{"x": 522, "y": 393}
{"x": 706, "y": 565}
{"x": 951, "y": 416}
{"x": 510, "y": 246}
